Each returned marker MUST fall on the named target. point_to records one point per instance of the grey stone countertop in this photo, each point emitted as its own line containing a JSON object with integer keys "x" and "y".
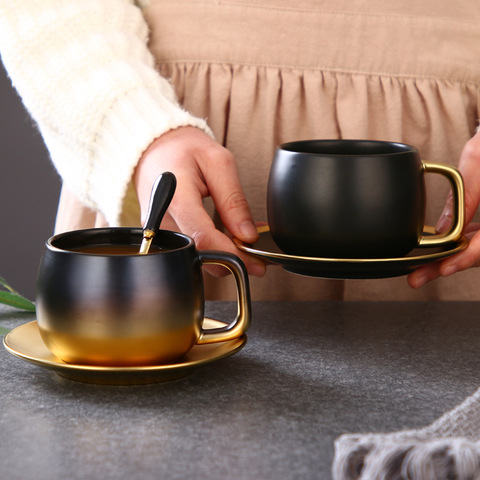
{"x": 308, "y": 373}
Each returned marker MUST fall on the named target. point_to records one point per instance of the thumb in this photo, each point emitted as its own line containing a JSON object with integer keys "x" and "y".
{"x": 468, "y": 166}
{"x": 446, "y": 217}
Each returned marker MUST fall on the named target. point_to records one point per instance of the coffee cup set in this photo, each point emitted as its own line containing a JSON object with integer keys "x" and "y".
{"x": 126, "y": 305}
{"x": 354, "y": 209}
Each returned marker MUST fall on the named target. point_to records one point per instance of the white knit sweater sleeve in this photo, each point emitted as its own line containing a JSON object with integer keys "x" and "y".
{"x": 84, "y": 72}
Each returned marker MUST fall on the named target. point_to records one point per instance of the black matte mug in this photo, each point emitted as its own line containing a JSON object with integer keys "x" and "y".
{"x": 115, "y": 308}
{"x": 354, "y": 199}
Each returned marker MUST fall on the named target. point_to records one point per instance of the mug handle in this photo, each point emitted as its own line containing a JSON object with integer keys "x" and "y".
{"x": 458, "y": 219}
{"x": 244, "y": 311}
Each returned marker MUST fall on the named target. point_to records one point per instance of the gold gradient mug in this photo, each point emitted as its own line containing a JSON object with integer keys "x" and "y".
{"x": 117, "y": 308}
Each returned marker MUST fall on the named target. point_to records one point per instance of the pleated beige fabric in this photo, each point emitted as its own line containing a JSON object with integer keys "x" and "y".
{"x": 265, "y": 72}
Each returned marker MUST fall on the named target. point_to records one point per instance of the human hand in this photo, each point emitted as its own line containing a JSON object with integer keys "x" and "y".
{"x": 203, "y": 168}
{"x": 469, "y": 166}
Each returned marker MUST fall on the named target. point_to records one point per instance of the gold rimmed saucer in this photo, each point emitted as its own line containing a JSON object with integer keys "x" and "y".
{"x": 347, "y": 268}
{"x": 25, "y": 342}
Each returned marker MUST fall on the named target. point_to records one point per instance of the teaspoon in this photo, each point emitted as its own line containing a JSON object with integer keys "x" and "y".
{"x": 161, "y": 196}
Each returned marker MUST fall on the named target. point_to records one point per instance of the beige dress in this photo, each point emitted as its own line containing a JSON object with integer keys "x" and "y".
{"x": 265, "y": 72}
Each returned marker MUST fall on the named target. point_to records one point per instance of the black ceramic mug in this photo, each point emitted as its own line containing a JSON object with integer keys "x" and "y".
{"x": 99, "y": 302}
{"x": 354, "y": 199}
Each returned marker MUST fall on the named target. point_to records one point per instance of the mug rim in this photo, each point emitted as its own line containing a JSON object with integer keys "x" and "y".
{"x": 50, "y": 243}
{"x": 299, "y": 147}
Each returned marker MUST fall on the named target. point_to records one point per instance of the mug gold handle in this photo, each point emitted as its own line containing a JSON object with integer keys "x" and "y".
{"x": 458, "y": 217}
{"x": 244, "y": 310}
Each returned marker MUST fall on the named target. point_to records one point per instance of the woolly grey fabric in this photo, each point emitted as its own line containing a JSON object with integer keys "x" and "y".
{"x": 447, "y": 449}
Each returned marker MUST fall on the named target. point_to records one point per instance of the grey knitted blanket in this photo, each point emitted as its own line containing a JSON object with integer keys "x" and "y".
{"x": 447, "y": 449}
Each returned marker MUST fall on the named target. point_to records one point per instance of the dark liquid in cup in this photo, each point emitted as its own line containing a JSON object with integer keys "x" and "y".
{"x": 117, "y": 249}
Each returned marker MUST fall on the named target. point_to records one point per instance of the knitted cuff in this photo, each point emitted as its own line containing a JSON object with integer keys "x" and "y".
{"x": 130, "y": 126}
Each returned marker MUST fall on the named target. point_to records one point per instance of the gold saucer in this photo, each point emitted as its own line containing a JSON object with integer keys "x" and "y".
{"x": 25, "y": 342}
{"x": 347, "y": 268}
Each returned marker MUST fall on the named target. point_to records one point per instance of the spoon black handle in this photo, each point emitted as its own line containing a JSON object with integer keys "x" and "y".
{"x": 162, "y": 194}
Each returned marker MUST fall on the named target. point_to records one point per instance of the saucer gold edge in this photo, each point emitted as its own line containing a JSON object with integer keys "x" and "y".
{"x": 134, "y": 375}
{"x": 459, "y": 246}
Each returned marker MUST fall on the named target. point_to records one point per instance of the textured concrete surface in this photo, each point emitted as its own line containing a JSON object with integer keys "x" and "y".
{"x": 309, "y": 372}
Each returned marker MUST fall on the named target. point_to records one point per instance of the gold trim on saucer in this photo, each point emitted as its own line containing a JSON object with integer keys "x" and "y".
{"x": 25, "y": 342}
{"x": 347, "y": 268}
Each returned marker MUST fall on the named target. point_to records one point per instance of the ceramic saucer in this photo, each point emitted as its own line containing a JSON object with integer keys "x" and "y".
{"x": 25, "y": 342}
{"x": 347, "y": 268}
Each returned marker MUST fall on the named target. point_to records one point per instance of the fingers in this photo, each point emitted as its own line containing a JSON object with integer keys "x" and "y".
{"x": 470, "y": 257}
{"x": 168, "y": 223}
{"x": 192, "y": 219}
{"x": 202, "y": 167}
{"x": 469, "y": 166}
{"x": 221, "y": 175}
{"x": 421, "y": 276}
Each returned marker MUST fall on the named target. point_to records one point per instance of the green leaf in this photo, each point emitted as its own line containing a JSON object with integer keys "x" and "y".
{"x": 13, "y": 298}
{"x": 4, "y": 284}
{"x": 17, "y": 301}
